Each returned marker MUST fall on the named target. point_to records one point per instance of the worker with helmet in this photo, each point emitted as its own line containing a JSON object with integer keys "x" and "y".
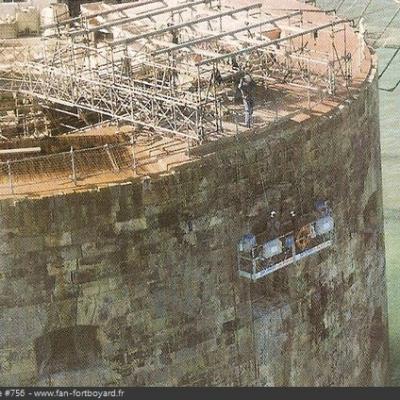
{"x": 247, "y": 88}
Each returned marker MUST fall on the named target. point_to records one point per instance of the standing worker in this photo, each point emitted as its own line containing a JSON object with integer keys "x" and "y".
{"x": 247, "y": 88}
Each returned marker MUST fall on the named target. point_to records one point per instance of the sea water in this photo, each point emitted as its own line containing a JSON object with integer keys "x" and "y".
{"x": 390, "y": 142}
{"x": 377, "y": 16}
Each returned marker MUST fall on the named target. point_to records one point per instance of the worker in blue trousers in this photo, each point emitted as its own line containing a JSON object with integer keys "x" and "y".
{"x": 247, "y": 89}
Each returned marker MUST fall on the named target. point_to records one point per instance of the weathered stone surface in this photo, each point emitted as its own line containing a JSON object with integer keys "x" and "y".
{"x": 152, "y": 266}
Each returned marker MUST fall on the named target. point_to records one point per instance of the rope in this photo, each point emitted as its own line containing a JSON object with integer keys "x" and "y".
{"x": 365, "y": 9}
{"x": 390, "y": 61}
{"x": 386, "y": 27}
{"x": 391, "y": 89}
{"x": 340, "y": 5}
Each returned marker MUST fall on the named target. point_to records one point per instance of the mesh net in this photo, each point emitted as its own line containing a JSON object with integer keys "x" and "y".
{"x": 75, "y": 164}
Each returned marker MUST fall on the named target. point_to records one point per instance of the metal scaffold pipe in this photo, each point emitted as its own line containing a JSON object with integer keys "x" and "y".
{"x": 271, "y": 42}
{"x": 207, "y": 18}
{"x": 103, "y": 13}
{"x": 149, "y": 14}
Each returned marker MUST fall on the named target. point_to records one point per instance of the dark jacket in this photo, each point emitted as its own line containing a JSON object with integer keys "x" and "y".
{"x": 247, "y": 87}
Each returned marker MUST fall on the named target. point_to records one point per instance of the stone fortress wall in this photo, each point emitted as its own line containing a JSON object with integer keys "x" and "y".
{"x": 136, "y": 283}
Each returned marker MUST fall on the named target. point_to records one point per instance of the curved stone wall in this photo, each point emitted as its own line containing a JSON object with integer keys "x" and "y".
{"x": 137, "y": 282}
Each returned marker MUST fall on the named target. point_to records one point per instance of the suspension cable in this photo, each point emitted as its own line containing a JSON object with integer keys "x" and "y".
{"x": 340, "y": 5}
{"x": 390, "y": 61}
{"x": 386, "y": 27}
{"x": 365, "y": 9}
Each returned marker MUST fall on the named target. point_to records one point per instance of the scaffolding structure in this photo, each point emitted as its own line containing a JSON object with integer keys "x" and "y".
{"x": 176, "y": 66}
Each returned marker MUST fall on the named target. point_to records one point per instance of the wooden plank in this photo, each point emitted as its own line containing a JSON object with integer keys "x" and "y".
{"x": 21, "y": 150}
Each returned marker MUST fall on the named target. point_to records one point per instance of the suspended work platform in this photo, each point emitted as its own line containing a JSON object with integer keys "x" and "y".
{"x": 257, "y": 261}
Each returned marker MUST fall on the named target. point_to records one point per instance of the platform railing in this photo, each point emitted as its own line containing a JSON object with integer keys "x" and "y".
{"x": 254, "y": 262}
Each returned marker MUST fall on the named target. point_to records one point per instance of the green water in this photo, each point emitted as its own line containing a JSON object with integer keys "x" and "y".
{"x": 390, "y": 141}
{"x": 378, "y": 15}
